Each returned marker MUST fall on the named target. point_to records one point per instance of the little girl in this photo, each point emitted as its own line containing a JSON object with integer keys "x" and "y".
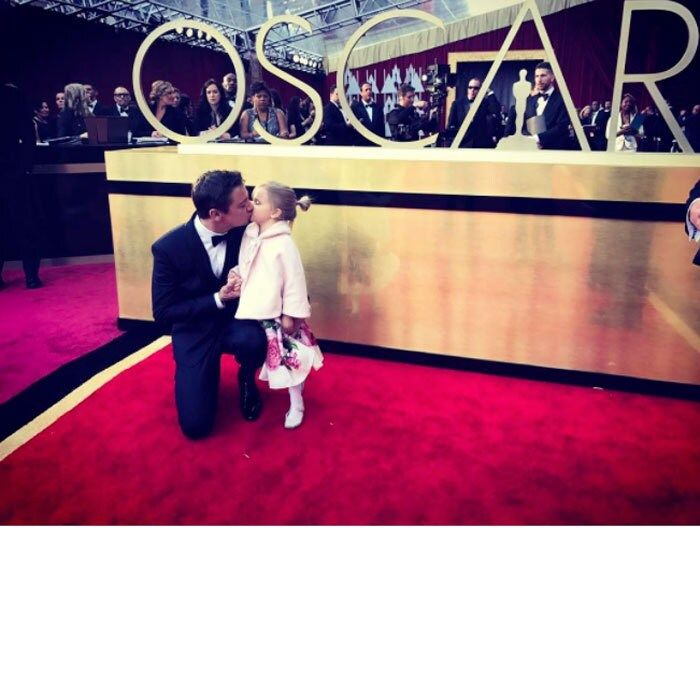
{"x": 273, "y": 291}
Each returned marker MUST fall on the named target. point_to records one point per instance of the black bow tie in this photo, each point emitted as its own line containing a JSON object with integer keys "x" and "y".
{"x": 215, "y": 240}
{"x": 544, "y": 96}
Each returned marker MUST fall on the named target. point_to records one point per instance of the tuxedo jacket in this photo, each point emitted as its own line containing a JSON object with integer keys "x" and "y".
{"x": 694, "y": 194}
{"x": 556, "y": 120}
{"x": 183, "y": 287}
{"x": 482, "y": 129}
{"x": 133, "y": 115}
{"x": 375, "y": 124}
{"x": 337, "y": 132}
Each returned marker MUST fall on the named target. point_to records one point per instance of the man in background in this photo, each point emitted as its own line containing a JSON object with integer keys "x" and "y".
{"x": 17, "y": 144}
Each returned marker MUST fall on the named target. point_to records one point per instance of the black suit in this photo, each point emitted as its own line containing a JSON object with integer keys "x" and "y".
{"x": 483, "y": 128}
{"x": 18, "y": 214}
{"x": 337, "y": 132}
{"x": 556, "y": 134}
{"x": 599, "y": 141}
{"x": 183, "y": 287}
{"x": 375, "y": 124}
{"x": 133, "y": 114}
{"x": 694, "y": 194}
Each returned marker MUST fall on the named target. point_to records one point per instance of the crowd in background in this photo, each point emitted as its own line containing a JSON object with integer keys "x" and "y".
{"x": 635, "y": 129}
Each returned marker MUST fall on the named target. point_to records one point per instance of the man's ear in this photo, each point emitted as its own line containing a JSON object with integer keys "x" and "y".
{"x": 214, "y": 214}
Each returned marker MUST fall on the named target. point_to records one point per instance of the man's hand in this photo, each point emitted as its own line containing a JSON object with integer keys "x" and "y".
{"x": 694, "y": 213}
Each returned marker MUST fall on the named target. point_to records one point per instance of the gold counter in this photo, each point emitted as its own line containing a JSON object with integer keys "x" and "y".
{"x": 557, "y": 259}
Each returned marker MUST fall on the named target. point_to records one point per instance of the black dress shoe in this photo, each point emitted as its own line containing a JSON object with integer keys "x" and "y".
{"x": 34, "y": 283}
{"x": 251, "y": 403}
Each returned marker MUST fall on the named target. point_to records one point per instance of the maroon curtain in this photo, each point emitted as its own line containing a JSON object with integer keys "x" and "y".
{"x": 64, "y": 50}
{"x": 585, "y": 39}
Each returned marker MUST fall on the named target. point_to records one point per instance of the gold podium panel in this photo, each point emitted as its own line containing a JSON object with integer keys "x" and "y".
{"x": 541, "y": 260}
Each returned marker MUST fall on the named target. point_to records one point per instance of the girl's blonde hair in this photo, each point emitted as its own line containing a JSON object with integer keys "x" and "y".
{"x": 285, "y": 199}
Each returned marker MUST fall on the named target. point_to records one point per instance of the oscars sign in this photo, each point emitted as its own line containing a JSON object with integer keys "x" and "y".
{"x": 649, "y": 80}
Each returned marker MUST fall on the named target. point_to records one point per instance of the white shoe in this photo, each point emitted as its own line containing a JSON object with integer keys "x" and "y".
{"x": 294, "y": 418}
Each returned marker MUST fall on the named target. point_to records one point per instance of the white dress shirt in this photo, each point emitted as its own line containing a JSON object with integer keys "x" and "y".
{"x": 693, "y": 233}
{"x": 542, "y": 103}
{"x": 216, "y": 253}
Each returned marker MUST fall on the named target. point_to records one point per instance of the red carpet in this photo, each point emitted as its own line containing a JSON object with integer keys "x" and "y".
{"x": 74, "y": 313}
{"x": 383, "y": 443}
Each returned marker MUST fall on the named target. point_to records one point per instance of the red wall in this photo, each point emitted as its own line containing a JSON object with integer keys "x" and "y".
{"x": 585, "y": 40}
{"x": 42, "y": 51}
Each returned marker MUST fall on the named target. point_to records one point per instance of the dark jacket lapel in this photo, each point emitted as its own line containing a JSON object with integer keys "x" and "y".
{"x": 199, "y": 254}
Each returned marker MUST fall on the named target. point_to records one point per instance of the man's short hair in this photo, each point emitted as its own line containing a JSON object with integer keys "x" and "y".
{"x": 212, "y": 190}
{"x": 405, "y": 89}
{"x": 544, "y": 65}
{"x": 333, "y": 89}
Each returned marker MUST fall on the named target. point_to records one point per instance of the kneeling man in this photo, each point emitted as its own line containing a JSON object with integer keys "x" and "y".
{"x": 192, "y": 297}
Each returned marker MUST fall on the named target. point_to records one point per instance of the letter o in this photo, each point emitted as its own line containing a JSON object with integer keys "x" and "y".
{"x": 145, "y": 107}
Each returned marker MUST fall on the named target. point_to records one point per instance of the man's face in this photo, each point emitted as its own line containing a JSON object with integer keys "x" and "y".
{"x": 89, "y": 92}
{"x": 543, "y": 79}
{"x": 60, "y": 100}
{"x": 696, "y": 109}
{"x": 334, "y": 96}
{"x": 239, "y": 211}
{"x": 229, "y": 83}
{"x": 366, "y": 92}
{"x": 473, "y": 89}
{"x": 122, "y": 97}
{"x": 608, "y": 105}
{"x": 595, "y": 106}
{"x": 407, "y": 99}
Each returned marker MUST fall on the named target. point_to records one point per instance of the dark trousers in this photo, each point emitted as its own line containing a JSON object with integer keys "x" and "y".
{"x": 18, "y": 224}
{"x": 197, "y": 387}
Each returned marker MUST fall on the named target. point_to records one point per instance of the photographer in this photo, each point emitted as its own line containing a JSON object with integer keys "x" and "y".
{"x": 405, "y": 122}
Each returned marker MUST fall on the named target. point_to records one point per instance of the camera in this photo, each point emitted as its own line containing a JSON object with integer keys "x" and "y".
{"x": 436, "y": 80}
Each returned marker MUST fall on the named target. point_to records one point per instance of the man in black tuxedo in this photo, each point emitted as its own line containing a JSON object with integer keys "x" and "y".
{"x": 123, "y": 108}
{"x": 599, "y": 122}
{"x": 192, "y": 295}
{"x": 369, "y": 114}
{"x": 484, "y": 129}
{"x": 546, "y": 101}
{"x": 336, "y": 130}
{"x": 18, "y": 221}
{"x": 692, "y": 221}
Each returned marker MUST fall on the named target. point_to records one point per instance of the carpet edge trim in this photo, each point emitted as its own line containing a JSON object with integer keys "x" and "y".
{"x": 77, "y": 396}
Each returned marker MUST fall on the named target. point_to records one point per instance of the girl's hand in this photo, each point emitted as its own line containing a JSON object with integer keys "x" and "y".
{"x": 290, "y": 324}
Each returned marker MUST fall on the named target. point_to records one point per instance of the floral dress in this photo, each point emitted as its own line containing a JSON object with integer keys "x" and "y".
{"x": 289, "y": 358}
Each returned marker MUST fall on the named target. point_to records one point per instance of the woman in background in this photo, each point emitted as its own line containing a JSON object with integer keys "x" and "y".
{"x": 71, "y": 120}
{"x": 212, "y": 110}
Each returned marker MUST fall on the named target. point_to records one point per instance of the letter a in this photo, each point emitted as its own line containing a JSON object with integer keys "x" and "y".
{"x": 531, "y": 6}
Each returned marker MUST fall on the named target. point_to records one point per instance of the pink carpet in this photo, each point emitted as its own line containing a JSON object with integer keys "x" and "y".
{"x": 74, "y": 313}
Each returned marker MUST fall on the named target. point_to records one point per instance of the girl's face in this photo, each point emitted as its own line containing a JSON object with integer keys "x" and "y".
{"x": 213, "y": 95}
{"x": 176, "y": 99}
{"x": 43, "y": 112}
{"x": 60, "y": 100}
{"x": 263, "y": 209}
